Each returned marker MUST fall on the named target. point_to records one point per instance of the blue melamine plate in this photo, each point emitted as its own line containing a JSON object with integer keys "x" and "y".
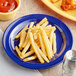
{"x": 64, "y": 40}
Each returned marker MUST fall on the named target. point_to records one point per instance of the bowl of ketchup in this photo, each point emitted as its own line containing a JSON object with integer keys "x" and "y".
{"x": 8, "y": 9}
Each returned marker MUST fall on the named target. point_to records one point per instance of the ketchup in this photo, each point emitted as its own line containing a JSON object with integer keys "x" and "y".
{"x": 7, "y": 5}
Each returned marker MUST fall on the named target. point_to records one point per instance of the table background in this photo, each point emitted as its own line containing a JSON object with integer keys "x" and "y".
{"x": 37, "y": 7}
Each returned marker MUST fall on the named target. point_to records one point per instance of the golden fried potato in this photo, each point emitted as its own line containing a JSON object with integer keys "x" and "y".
{"x": 39, "y": 42}
{"x": 35, "y": 48}
{"x": 42, "y": 44}
{"x": 42, "y": 21}
{"x": 29, "y": 58}
{"x": 47, "y": 43}
{"x": 54, "y": 43}
{"x": 18, "y": 51}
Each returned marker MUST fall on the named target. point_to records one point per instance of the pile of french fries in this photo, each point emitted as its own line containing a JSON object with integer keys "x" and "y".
{"x": 39, "y": 42}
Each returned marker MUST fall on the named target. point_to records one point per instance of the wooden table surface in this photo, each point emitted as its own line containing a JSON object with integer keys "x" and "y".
{"x": 37, "y": 7}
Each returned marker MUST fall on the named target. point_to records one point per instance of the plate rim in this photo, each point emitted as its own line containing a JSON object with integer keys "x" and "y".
{"x": 47, "y": 65}
{"x": 51, "y": 6}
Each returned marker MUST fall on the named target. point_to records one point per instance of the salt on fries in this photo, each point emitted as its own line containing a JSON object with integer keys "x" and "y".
{"x": 37, "y": 42}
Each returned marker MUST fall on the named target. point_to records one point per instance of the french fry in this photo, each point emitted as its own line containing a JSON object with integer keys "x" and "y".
{"x": 54, "y": 43}
{"x": 37, "y": 29}
{"x": 31, "y": 24}
{"x": 37, "y": 42}
{"x": 42, "y": 21}
{"x": 24, "y": 29}
{"x": 35, "y": 48}
{"x": 25, "y": 49}
{"x": 42, "y": 54}
{"x": 45, "y": 24}
{"x": 47, "y": 30}
{"x": 20, "y": 48}
{"x": 49, "y": 26}
{"x": 29, "y": 58}
{"x": 17, "y": 36}
{"x": 18, "y": 51}
{"x": 26, "y": 41}
{"x": 22, "y": 38}
{"x": 42, "y": 44}
{"x": 47, "y": 44}
{"x": 34, "y": 29}
{"x": 51, "y": 38}
{"x": 27, "y": 38}
{"x": 28, "y": 54}
{"x": 22, "y": 35}
{"x": 35, "y": 36}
